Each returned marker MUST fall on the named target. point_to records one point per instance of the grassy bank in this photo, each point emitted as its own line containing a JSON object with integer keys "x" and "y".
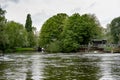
{"x": 25, "y": 49}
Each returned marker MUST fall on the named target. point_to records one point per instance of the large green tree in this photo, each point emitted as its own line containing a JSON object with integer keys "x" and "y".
{"x": 29, "y": 28}
{"x": 69, "y": 32}
{"x": 79, "y": 30}
{"x": 115, "y": 30}
{"x": 17, "y": 34}
{"x": 90, "y": 28}
{"x": 52, "y": 29}
{"x": 69, "y": 37}
{"x": 3, "y": 36}
{"x": 28, "y": 24}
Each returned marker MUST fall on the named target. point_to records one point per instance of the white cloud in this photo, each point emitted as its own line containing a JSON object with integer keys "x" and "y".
{"x": 40, "y": 18}
{"x": 41, "y": 10}
{"x": 105, "y": 10}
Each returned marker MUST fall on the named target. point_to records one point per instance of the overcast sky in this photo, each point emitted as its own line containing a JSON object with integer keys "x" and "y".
{"x": 41, "y": 10}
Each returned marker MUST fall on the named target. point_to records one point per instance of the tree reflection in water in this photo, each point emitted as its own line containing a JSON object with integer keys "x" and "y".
{"x": 39, "y": 66}
{"x": 71, "y": 68}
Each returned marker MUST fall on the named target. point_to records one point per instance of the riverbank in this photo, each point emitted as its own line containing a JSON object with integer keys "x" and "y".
{"x": 19, "y": 50}
{"x": 101, "y": 50}
{"x": 93, "y": 50}
{"x": 24, "y": 49}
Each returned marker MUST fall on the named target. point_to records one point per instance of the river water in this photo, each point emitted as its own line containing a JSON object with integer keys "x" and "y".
{"x": 61, "y": 66}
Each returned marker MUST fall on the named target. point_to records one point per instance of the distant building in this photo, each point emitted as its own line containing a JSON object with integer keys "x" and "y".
{"x": 98, "y": 42}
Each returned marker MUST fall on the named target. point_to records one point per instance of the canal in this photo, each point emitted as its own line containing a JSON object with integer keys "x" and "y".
{"x": 61, "y": 66}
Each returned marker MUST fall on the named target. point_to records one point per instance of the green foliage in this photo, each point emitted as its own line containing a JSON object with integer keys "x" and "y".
{"x": 17, "y": 35}
{"x": 3, "y": 36}
{"x": 2, "y": 13}
{"x": 30, "y": 31}
{"x": 24, "y": 49}
{"x": 69, "y": 37}
{"x": 108, "y": 35}
{"x": 108, "y": 48}
{"x": 90, "y": 28}
{"x": 69, "y": 45}
{"x": 31, "y": 39}
{"x": 71, "y": 32}
{"x": 28, "y": 24}
{"x": 52, "y": 29}
{"x": 115, "y": 29}
{"x": 79, "y": 30}
{"x": 14, "y": 35}
{"x": 54, "y": 47}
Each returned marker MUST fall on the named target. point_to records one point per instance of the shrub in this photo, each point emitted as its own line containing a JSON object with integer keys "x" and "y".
{"x": 54, "y": 47}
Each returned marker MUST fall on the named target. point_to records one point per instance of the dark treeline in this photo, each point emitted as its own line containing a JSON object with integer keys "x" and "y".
{"x": 60, "y": 33}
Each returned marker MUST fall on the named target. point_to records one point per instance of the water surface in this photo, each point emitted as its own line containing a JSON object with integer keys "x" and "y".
{"x": 73, "y": 66}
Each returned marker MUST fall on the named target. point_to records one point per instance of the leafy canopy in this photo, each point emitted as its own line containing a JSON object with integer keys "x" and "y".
{"x": 52, "y": 29}
{"x": 3, "y": 37}
{"x": 115, "y": 29}
{"x": 17, "y": 34}
{"x": 28, "y": 24}
{"x": 68, "y": 33}
{"x": 30, "y": 29}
